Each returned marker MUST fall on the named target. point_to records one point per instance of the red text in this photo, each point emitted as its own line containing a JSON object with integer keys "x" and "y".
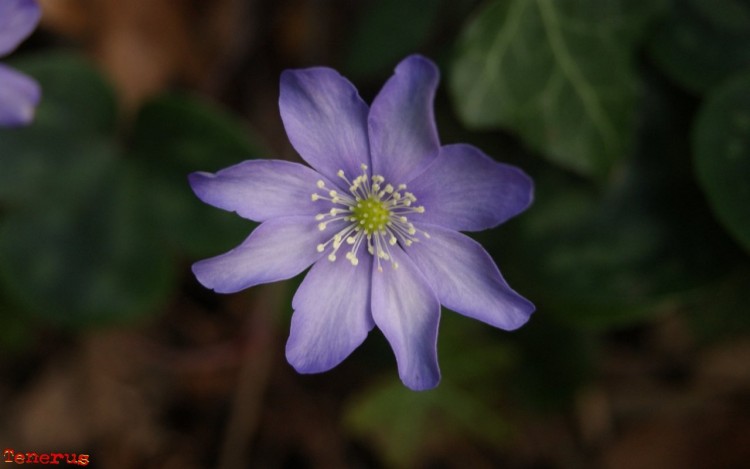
{"x": 11, "y": 456}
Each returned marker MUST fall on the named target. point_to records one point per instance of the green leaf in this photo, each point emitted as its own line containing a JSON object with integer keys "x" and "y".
{"x": 58, "y": 155}
{"x": 599, "y": 258}
{"x": 40, "y": 163}
{"x": 559, "y": 73}
{"x": 191, "y": 133}
{"x": 403, "y": 425}
{"x": 177, "y": 135}
{"x": 702, "y": 43}
{"x": 75, "y": 97}
{"x": 722, "y": 155}
{"x": 95, "y": 261}
{"x": 76, "y": 245}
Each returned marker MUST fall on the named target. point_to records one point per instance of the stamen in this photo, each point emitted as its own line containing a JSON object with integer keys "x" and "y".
{"x": 372, "y": 211}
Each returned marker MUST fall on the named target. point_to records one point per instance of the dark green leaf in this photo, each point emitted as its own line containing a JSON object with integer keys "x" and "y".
{"x": 600, "y": 258}
{"x": 96, "y": 261}
{"x": 41, "y": 164}
{"x": 559, "y": 73}
{"x": 404, "y": 424}
{"x": 174, "y": 136}
{"x": 191, "y": 134}
{"x": 61, "y": 154}
{"x": 722, "y": 155}
{"x": 702, "y": 43}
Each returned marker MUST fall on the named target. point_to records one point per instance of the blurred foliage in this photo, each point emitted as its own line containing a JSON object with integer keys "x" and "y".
{"x": 409, "y": 24}
{"x": 174, "y": 136}
{"x": 701, "y": 43}
{"x": 558, "y": 73}
{"x": 718, "y": 311}
{"x": 91, "y": 224}
{"x": 612, "y": 256}
{"x": 722, "y": 154}
{"x": 386, "y": 31}
{"x": 407, "y": 426}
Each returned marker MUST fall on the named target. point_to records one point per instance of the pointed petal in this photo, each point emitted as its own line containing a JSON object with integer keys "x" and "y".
{"x": 261, "y": 189}
{"x": 403, "y": 137}
{"x": 467, "y": 280}
{"x": 18, "y": 18}
{"x": 331, "y": 314}
{"x": 465, "y": 190}
{"x": 278, "y": 249}
{"x": 326, "y": 120}
{"x": 19, "y": 96}
{"x": 405, "y": 308}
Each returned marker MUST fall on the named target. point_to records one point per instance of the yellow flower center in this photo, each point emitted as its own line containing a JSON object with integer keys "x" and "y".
{"x": 371, "y": 214}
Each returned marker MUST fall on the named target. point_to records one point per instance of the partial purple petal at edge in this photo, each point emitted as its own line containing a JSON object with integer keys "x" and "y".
{"x": 18, "y": 19}
{"x": 467, "y": 280}
{"x": 19, "y": 96}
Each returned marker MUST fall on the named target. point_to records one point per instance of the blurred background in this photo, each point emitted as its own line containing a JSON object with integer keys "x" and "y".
{"x": 632, "y": 116}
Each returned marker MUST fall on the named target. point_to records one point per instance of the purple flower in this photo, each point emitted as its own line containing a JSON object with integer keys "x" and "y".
{"x": 377, "y": 216}
{"x": 19, "y": 94}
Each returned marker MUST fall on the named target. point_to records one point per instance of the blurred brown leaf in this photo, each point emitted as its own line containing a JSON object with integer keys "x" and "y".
{"x": 146, "y": 46}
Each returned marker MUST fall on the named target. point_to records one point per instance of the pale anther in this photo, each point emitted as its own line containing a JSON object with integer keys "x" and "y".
{"x": 374, "y": 215}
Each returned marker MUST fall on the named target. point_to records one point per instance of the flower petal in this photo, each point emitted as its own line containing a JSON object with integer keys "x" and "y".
{"x": 405, "y": 308}
{"x": 331, "y": 314}
{"x": 18, "y": 18}
{"x": 465, "y": 190}
{"x": 260, "y": 189}
{"x": 467, "y": 280}
{"x": 326, "y": 120}
{"x": 403, "y": 137}
{"x": 19, "y": 96}
{"x": 278, "y": 249}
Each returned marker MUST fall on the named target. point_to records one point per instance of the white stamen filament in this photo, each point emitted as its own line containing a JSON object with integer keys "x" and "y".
{"x": 374, "y": 211}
